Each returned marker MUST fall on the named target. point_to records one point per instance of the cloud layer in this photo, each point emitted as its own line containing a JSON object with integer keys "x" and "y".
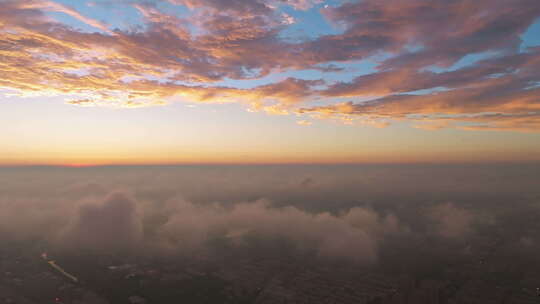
{"x": 331, "y": 212}
{"x": 205, "y": 54}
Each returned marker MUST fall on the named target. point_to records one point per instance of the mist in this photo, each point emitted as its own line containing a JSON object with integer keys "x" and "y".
{"x": 335, "y": 212}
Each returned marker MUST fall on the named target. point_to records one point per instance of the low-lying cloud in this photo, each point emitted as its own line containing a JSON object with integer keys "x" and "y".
{"x": 353, "y": 234}
{"x": 116, "y": 223}
{"x": 332, "y": 212}
{"x": 111, "y": 224}
{"x": 452, "y": 221}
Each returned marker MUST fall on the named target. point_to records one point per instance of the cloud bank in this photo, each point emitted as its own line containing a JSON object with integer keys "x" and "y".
{"x": 333, "y": 212}
{"x": 117, "y": 223}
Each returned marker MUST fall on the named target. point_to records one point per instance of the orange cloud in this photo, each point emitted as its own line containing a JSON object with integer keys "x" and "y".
{"x": 240, "y": 39}
{"x": 56, "y": 7}
{"x": 304, "y": 123}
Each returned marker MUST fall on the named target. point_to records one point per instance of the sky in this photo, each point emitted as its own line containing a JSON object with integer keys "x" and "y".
{"x": 269, "y": 81}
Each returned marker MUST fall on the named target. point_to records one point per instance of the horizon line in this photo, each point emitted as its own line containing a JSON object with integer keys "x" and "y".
{"x": 83, "y": 166}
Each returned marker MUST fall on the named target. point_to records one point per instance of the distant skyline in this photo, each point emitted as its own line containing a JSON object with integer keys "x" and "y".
{"x": 269, "y": 81}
